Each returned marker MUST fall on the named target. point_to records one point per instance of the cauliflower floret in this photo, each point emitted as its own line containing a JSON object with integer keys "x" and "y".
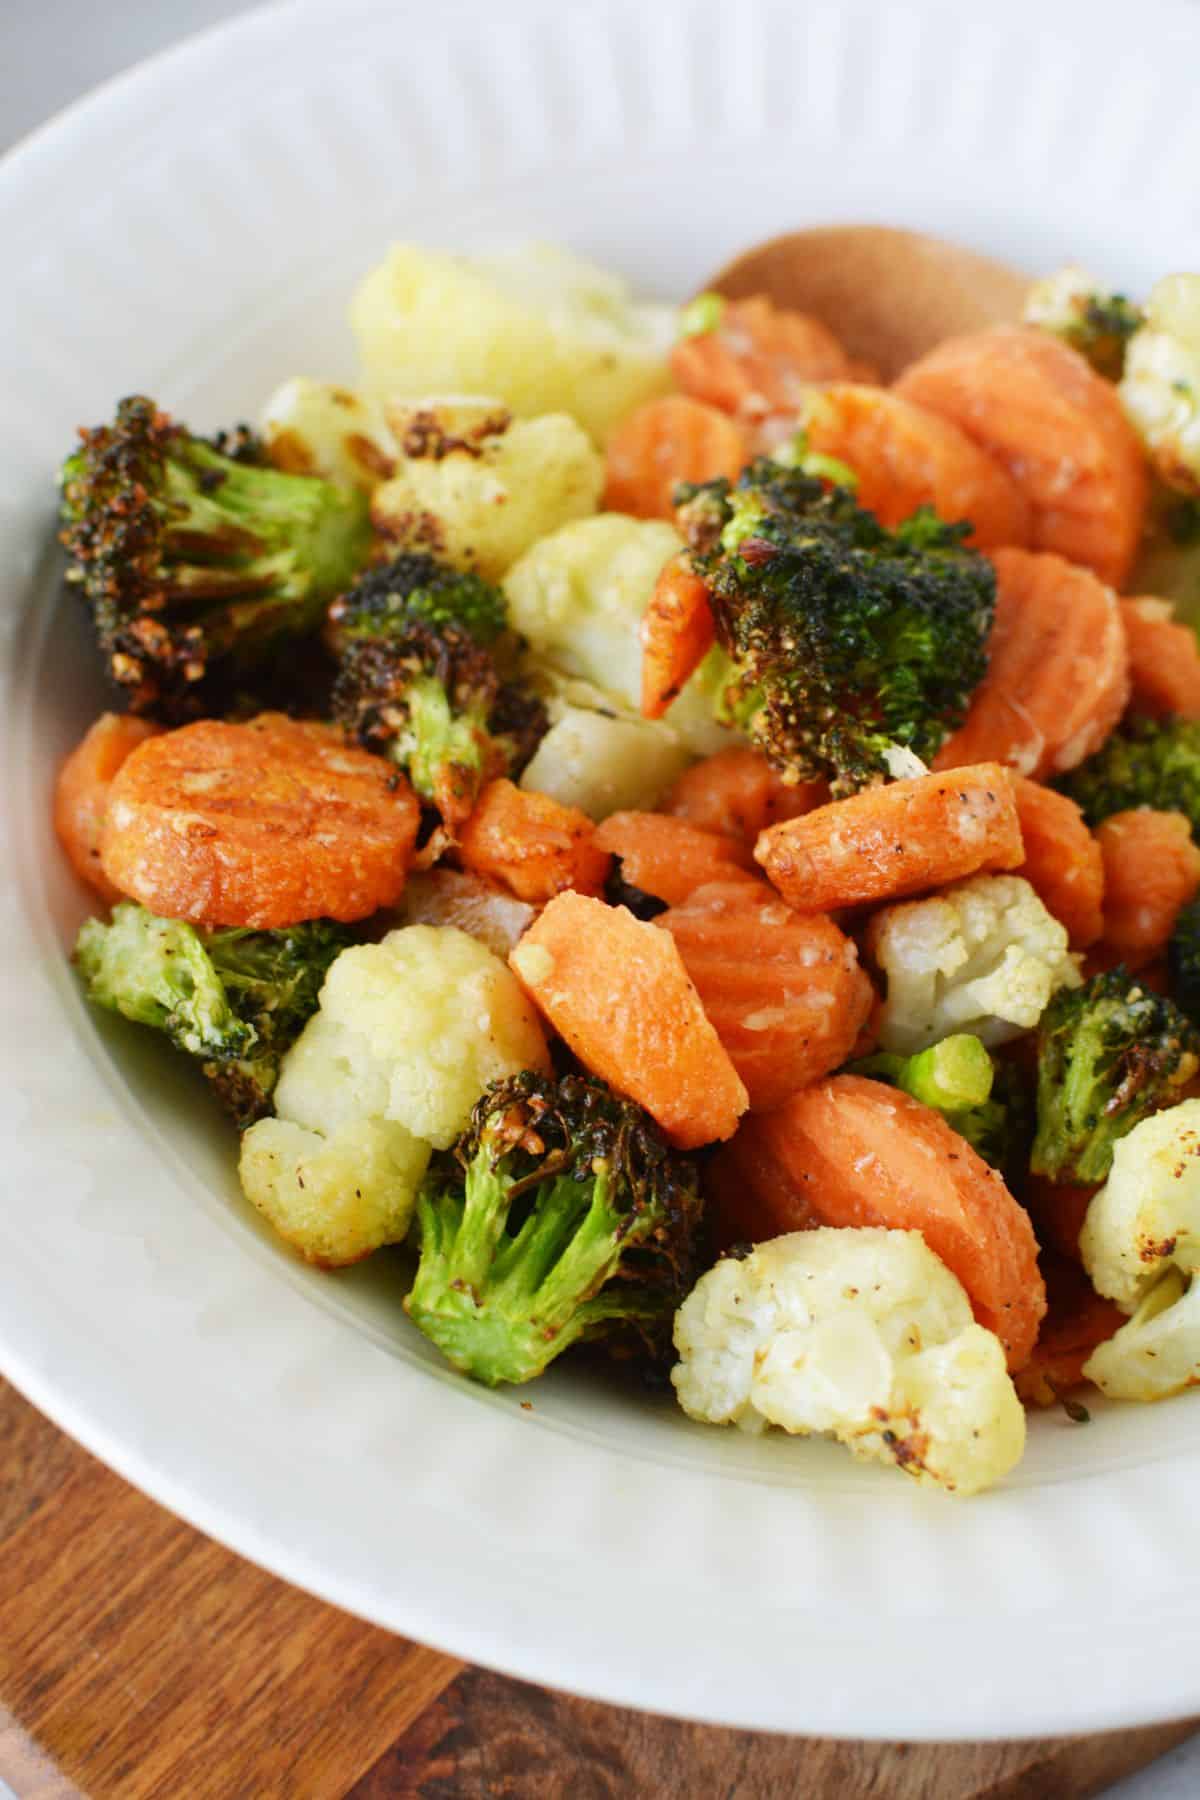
{"x": 578, "y": 597}
{"x": 541, "y": 328}
{"x": 318, "y": 428}
{"x": 335, "y": 1198}
{"x": 477, "y": 487}
{"x": 863, "y": 1334}
{"x": 410, "y": 1029}
{"x": 1160, "y": 389}
{"x": 1076, "y": 307}
{"x": 1140, "y": 1244}
{"x": 982, "y": 956}
{"x": 445, "y": 896}
{"x": 600, "y": 758}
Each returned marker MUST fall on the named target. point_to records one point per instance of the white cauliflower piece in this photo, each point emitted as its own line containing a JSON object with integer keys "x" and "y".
{"x": 603, "y": 760}
{"x": 318, "y": 428}
{"x": 1140, "y": 1244}
{"x": 1074, "y": 306}
{"x": 1160, "y": 389}
{"x": 335, "y": 1199}
{"x": 477, "y": 487}
{"x": 578, "y": 597}
{"x": 862, "y": 1334}
{"x": 410, "y": 1029}
{"x": 982, "y": 956}
{"x": 541, "y": 328}
{"x": 483, "y": 910}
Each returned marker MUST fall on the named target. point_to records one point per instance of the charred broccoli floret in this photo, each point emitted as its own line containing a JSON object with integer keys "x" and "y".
{"x": 1148, "y": 762}
{"x": 421, "y": 647}
{"x": 197, "y": 560}
{"x": 1109, "y": 1053}
{"x": 561, "y": 1213}
{"x": 233, "y": 999}
{"x": 1183, "y": 961}
{"x": 850, "y": 641}
{"x": 956, "y": 1076}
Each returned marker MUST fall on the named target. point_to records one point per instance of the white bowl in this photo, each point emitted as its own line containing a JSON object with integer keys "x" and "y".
{"x": 193, "y": 230}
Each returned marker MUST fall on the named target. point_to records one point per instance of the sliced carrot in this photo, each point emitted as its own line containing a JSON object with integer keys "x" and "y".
{"x": 759, "y": 359}
{"x": 264, "y": 824}
{"x": 1058, "y": 1209}
{"x": 906, "y": 456}
{"x": 534, "y": 845}
{"x": 904, "y": 838}
{"x": 784, "y": 991}
{"x": 737, "y": 793}
{"x": 1164, "y": 660}
{"x": 1062, "y": 863}
{"x": 677, "y": 634}
{"x": 1057, "y": 427}
{"x": 82, "y": 789}
{"x": 664, "y": 442}
{"x": 1076, "y": 1321}
{"x": 669, "y": 858}
{"x": 1151, "y": 869}
{"x": 848, "y": 1151}
{"x": 616, "y": 989}
{"x": 1058, "y": 677}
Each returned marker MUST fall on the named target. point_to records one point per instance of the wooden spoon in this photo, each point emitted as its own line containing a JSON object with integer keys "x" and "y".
{"x": 889, "y": 295}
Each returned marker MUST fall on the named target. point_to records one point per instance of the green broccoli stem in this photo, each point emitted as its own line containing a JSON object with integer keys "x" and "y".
{"x": 438, "y": 746}
{"x": 157, "y": 972}
{"x": 954, "y": 1075}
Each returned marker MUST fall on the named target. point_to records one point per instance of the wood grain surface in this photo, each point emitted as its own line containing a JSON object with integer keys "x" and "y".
{"x": 139, "y": 1661}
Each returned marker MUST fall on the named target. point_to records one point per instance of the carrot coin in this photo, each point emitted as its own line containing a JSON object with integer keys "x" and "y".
{"x": 534, "y": 845}
{"x": 664, "y": 442}
{"x": 736, "y": 792}
{"x": 1057, "y": 678}
{"x": 1164, "y": 660}
{"x": 1037, "y": 406}
{"x": 1076, "y": 1321}
{"x": 82, "y": 789}
{"x": 784, "y": 990}
{"x": 669, "y": 858}
{"x": 1151, "y": 869}
{"x": 1062, "y": 863}
{"x": 264, "y": 824}
{"x": 903, "y": 838}
{"x": 906, "y": 456}
{"x": 759, "y": 359}
{"x": 848, "y": 1151}
{"x": 677, "y": 634}
{"x": 616, "y": 989}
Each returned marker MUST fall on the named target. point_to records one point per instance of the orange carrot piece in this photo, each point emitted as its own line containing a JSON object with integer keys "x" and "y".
{"x": 616, "y": 989}
{"x": 848, "y": 1151}
{"x": 82, "y": 789}
{"x": 669, "y": 858}
{"x": 1058, "y": 677}
{"x": 677, "y": 634}
{"x": 736, "y": 792}
{"x": 906, "y": 456}
{"x": 1164, "y": 660}
{"x": 1062, "y": 863}
{"x": 784, "y": 990}
{"x": 264, "y": 824}
{"x": 1038, "y": 407}
{"x": 664, "y": 442}
{"x": 532, "y": 844}
{"x": 760, "y": 359}
{"x": 1076, "y": 1321}
{"x": 1151, "y": 869}
{"x": 1058, "y": 1209}
{"x": 903, "y": 838}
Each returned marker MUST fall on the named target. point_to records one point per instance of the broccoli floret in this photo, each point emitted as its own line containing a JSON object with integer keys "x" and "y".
{"x": 198, "y": 561}
{"x": 1109, "y": 1053}
{"x": 1073, "y": 306}
{"x": 1148, "y": 762}
{"x": 421, "y": 649}
{"x": 1183, "y": 961}
{"x": 562, "y": 1213}
{"x": 233, "y": 999}
{"x": 850, "y": 640}
{"x": 984, "y": 1103}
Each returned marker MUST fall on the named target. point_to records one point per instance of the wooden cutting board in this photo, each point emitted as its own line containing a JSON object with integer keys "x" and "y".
{"x": 139, "y": 1661}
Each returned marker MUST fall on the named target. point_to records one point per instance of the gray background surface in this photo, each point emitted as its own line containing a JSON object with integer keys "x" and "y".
{"x": 53, "y": 51}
